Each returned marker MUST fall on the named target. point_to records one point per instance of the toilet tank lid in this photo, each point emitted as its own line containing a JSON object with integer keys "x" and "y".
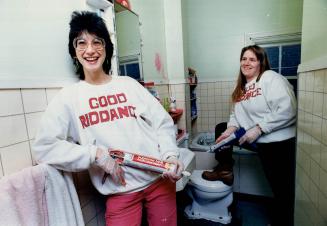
{"x": 205, "y": 185}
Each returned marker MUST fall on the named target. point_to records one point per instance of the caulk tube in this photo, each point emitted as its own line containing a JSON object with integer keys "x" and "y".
{"x": 228, "y": 140}
{"x": 148, "y": 163}
{"x": 143, "y": 162}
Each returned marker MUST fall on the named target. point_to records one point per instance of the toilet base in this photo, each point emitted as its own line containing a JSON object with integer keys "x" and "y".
{"x": 211, "y": 211}
{"x": 207, "y": 216}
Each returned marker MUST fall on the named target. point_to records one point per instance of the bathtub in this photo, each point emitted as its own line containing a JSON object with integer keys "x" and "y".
{"x": 249, "y": 177}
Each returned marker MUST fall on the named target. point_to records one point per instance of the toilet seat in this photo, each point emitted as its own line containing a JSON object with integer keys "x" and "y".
{"x": 197, "y": 181}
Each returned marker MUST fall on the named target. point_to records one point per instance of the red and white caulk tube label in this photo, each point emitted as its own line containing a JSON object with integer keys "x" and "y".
{"x": 143, "y": 162}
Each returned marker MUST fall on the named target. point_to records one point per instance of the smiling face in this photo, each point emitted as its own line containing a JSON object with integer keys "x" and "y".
{"x": 90, "y": 52}
{"x": 250, "y": 65}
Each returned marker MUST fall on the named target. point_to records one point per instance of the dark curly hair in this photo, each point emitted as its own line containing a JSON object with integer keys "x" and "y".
{"x": 89, "y": 22}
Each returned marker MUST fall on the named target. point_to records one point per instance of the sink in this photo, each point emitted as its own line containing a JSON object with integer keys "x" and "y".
{"x": 188, "y": 159}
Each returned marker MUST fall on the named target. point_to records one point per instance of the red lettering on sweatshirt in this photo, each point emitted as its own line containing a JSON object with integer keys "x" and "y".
{"x": 113, "y": 114}
{"x": 104, "y": 116}
{"x": 84, "y": 120}
{"x": 96, "y": 117}
{"x": 105, "y": 101}
{"x": 251, "y": 92}
{"x": 131, "y": 111}
{"x": 103, "y": 110}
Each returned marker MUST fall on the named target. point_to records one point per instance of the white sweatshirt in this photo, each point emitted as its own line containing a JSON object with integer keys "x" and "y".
{"x": 269, "y": 103}
{"x": 120, "y": 115}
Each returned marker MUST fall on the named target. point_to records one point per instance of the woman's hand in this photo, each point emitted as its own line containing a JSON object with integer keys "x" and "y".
{"x": 177, "y": 174}
{"x": 251, "y": 135}
{"x": 230, "y": 130}
{"x": 110, "y": 166}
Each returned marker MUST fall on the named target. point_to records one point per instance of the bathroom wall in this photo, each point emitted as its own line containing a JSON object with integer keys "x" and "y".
{"x": 314, "y": 29}
{"x": 20, "y": 113}
{"x": 152, "y": 30}
{"x": 177, "y": 91}
{"x": 214, "y": 104}
{"x": 311, "y": 168}
{"x": 216, "y": 31}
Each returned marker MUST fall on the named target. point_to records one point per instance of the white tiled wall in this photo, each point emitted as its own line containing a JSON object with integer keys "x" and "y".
{"x": 311, "y": 169}
{"x": 34, "y": 100}
{"x": 20, "y": 114}
{"x": 178, "y": 92}
{"x": 15, "y": 157}
{"x": 214, "y": 104}
{"x": 11, "y": 102}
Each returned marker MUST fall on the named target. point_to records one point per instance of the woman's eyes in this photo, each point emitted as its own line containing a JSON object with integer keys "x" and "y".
{"x": 97, "y": 42}
{"x": 81, "y": 42}
{"x": 250, "y": 59}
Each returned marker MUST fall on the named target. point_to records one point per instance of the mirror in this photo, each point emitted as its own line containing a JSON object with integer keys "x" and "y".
{"x": 128, "y": 42}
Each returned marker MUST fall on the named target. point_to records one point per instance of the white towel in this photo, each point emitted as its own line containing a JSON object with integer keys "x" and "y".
{"x": 39, "y": 196}
{"x": 22, "y": 198}
{"x": 63, "y": 205}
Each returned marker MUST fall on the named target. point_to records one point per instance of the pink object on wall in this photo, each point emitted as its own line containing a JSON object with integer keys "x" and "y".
{"x": 157, "y": 62}
{"x": 124, "y": 3}
{"x": 158, "y": 65}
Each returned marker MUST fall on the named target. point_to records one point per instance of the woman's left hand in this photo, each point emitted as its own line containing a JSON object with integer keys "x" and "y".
{"x": 251, "y": 135}
{"x": 177, "y": 174}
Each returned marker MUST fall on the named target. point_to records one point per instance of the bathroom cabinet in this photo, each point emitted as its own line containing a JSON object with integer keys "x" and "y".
{"x": 194, "y": 110}
{"x": 193, "y": 81}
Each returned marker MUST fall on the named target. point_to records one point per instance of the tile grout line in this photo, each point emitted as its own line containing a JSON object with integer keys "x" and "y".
{"x": 28, "y": 136}
{"x": 3, "y": 172}
{"x": 6, "y": 146}
{"x": 3, "y": 116}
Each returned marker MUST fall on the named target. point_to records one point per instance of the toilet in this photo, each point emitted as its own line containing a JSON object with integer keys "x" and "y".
{"x": 211, "y": 199}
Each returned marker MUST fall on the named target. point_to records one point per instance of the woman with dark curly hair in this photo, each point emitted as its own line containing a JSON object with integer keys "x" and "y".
{"x": 102, "y": 112}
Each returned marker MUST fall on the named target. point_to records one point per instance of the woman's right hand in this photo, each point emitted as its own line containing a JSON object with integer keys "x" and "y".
{"x": 110, "y": 166}
{"x": 230, "y": 130}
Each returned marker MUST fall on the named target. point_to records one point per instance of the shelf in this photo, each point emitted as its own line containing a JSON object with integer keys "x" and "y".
{"x": 181, "y": 136}
{"x": 194, "y": 117}
{"x": 176, "y": 114}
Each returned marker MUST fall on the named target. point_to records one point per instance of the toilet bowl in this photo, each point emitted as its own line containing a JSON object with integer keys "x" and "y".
{"x": 211, "y": 199}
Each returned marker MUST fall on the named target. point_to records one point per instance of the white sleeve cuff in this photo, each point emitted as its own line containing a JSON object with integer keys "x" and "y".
{"x": 170, "y": 154}
{"x": 93, "y": 151}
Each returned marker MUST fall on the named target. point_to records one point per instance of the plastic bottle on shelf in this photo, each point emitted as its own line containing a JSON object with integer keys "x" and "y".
{"x": 172, "y": 106}
{"x": 166, "y": 104}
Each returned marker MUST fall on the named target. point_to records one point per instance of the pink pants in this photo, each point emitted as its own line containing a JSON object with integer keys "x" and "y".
{"x": 159, "y": 199}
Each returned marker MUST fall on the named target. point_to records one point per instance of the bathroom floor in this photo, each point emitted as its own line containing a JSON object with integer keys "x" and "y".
{"x": 247, "y": 210}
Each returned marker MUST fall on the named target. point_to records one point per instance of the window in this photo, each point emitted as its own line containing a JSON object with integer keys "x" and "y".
{"x": 283, "y": 50}
{"x": 131, "y": 67}
{"x": 285, "y": 59}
